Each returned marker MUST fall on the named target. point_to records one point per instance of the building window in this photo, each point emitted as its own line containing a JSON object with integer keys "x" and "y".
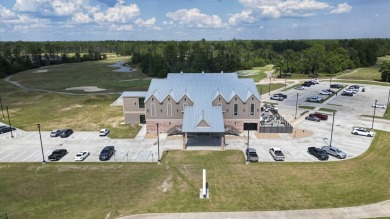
{"x": 252, "y": 109}
{"x": 184, "y": 105}
{"x": 142, "y": 119}
{"x": 141, "y": 103}
{"x": 219, "y": 104}
{"x": 169, "y": 109}
{"x": 152, "y": 109}
{"x": 235, "y": 109}
{"x": 169, "y": 99}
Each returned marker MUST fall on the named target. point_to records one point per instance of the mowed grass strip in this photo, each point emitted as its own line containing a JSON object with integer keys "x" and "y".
{"x": 93, "y": 190}
{"x": 266, "y": 88}
{"x": 57, "y": 111}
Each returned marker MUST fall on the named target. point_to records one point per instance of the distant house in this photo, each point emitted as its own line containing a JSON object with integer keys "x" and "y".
{"x": 196, "y": 104}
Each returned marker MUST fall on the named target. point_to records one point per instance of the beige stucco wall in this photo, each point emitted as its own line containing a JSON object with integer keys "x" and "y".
{"x": 131, "y": 110}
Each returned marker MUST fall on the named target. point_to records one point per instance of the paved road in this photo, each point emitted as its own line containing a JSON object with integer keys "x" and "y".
{"x": 381, "y": 209}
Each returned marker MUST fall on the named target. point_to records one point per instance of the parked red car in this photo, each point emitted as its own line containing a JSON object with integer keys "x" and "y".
{"x": 319, "y": 115}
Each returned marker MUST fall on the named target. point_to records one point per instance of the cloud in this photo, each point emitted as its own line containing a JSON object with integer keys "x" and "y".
{"x": 147, "y": 24}
{"x": 119, "y": 13}
{"x": 81, "y": 18}
{"x": 341, "y": 9}
{"x": 126, "y": 27}
{"x": 6, "y": 13}
{"x": 255, "y": 10}
{"x": 29, "y": 5}
{"x": 194, "y": 18}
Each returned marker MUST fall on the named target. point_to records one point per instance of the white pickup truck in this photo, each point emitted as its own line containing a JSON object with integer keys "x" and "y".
{"x": 276, "y": 153}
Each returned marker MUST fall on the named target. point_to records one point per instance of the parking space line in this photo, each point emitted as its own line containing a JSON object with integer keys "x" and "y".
{"x": 30, "y": 156}
{"x": 7, "y": 155}
{"x": 18, "y": 156}
{"x": 40, "y": 156}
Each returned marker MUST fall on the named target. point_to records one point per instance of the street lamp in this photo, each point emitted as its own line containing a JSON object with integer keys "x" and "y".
{"x": 158, "y": 145}
{"x": 285, "y": 82}
{"x": 2, "y": 110}
{"x": 247, "y": 145}
{"x": 331, "y": 133}
{"x": 373, "y": 117}
{"x": 9, "y": 122}
{"x": 40, "y": 138}
{"x": 269, "y": 86}
{"x": 387, "y": 106}
{"x": 296, "y": 106}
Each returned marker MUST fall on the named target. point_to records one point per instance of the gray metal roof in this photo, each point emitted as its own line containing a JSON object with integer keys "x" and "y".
{"x": 134, "y": 94}
{"x": 202, "y": 89}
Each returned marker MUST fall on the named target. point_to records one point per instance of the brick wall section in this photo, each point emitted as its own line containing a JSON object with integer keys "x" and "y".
{"x": 163, "y": 126}
{"x": 236, "y": 124}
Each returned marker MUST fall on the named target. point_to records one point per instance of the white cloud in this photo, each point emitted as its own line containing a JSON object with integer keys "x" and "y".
{"x": 245, "y": 16}
{"x": 6, "y": 13}
{"x": 194, "y": 18}
{"x": 29, "y": 5}
{"x": 150, "y": 23}
{"x": 121, "y": 13}
{"x": 80, "y": 17}
{"x": 257, "y": 9}
{"x": 63, "y": 8}
{"x": 341, "y": 9}
{"x": 126, "y": 27}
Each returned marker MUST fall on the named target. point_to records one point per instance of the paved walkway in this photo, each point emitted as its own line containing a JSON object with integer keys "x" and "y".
{"x": 381, "y": 209}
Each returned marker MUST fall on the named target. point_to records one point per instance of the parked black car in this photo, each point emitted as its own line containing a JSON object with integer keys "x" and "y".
{"x": 65, "y": 133}
{"x": 307, "y": 84}
{"x": 107, "y": 153}
{"x": 338, "y": 86}
{"x": 281, "y": 95}
{"x": 5, "y": 129}
{"x": 57, "y": 154}
{"x": 318, "y": 152}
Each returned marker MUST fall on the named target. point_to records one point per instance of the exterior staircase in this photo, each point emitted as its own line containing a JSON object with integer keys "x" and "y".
{"x": 230, "y": 130}
{"x": 175, "y": 130}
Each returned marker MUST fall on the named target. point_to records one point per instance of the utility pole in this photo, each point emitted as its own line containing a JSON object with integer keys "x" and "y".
{"x": 331, "y": 133}
{"x": 388, "y": 97}
{"x": 9, "y": 122}
{"x": 2, "y": 110}
{"x": 296, "y": 106}
{"x": 373, "y": 117}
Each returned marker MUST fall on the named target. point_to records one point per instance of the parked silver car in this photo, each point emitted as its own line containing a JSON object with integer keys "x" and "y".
{"x": 334, "y": 152}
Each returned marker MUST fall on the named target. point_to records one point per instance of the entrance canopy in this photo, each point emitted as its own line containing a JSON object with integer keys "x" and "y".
{"x": 204, "y": 120}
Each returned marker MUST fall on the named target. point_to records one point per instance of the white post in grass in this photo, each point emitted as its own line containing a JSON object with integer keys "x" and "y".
{"x": 204, "y": 191}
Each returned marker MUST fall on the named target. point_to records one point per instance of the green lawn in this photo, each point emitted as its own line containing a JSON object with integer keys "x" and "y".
{"x": 93, "y": 73}
{"x": 265, "y": 88}
{"x": 94, "y": 190}
{"x": 53, "y": 111}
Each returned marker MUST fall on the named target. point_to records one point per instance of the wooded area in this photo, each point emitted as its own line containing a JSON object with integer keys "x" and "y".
{"x": 157, "y": 58}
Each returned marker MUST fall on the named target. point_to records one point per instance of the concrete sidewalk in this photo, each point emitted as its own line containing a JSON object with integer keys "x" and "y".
{"x": 381, "y": 209}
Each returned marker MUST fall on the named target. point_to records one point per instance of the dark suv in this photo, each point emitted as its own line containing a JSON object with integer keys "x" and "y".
{"x": 318, "y": 152}
{"x": 107, "y": 153}
{"x": 338, "y": 86}
{"x": 64, "y": 133}
{"x": 57, "y": 154}
{"x": 5, "y": 129}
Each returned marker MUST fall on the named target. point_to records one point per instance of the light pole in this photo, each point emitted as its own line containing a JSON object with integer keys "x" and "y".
{"x": 2, "y": 110}
{"x": 158, "y": 145}
{"x": 285, "y": 82}
{"x": 9, "y": 122}
{"x": 373, "y": 117}
{"x": 296, "y": 106}
{"x": 331, "y": 133}
{"x": 247, "y": 145}
{"x": 269, "y": 86}
{"x": 387, "y": 106}
{"x": 40, "y": 138}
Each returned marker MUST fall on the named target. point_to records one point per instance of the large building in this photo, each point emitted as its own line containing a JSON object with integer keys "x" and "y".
{"x": 196, "y": 104}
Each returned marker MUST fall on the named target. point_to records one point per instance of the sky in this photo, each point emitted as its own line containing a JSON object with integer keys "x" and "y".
{"x": 91, "y": 20}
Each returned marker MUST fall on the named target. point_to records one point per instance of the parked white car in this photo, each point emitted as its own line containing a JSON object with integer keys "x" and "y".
{"x": 363, "y": 131}
{"x": 324, "y": 92}
{"x": 354, "y": 91}
{"x": 299, "y": 88}
{"x": 104, "y": 132}
{"x": 276, "y": 153}
{"x": 81, "y": 156}
{"x": 315, "y": 80}
{"x": 378, "y": 105}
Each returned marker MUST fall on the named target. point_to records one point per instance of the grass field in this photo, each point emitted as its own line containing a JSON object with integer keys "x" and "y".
{"x": 55, "y": 111}
{"x": 94, "y": 190}
{"x": 265, "y": 88}
{"x": 257, "y": 73}
{"x": 93, "y": 73}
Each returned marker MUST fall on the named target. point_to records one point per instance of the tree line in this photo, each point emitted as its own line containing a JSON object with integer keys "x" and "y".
{"x": 157, "y": 58}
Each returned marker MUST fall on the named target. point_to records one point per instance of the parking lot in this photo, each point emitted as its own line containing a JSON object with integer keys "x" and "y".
{"x": 25, "y": 146}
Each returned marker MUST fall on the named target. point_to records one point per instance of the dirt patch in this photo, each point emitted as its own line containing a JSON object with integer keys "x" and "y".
{"x": 301, "y": 133}
{"x": 86, "y": 88}
{"x": 297, "y": 133}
